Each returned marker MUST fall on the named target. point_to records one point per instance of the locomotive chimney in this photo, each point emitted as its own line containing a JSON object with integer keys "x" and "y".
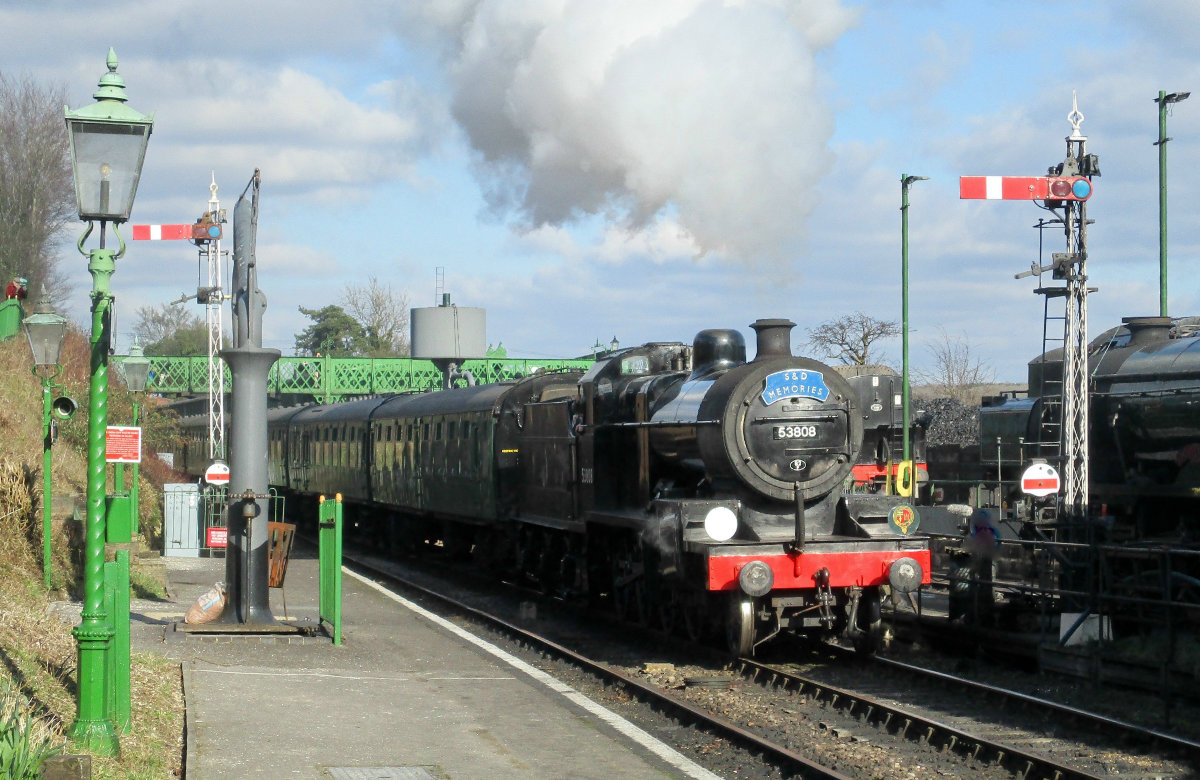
{"x": 774, "y": 338}
{"x": 1147, "y": 330}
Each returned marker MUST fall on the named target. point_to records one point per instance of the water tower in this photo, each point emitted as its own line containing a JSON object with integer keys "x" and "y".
{"x": 448, "y": 335}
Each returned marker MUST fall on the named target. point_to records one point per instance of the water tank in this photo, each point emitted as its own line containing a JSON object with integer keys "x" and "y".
{"x": 454, "y": 332}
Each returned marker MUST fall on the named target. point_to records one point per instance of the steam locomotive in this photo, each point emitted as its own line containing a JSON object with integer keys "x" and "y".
{"x": 1138, "y": 549}
{"x": 685, "y": 486}
{"x": 1144, "y": 426}
{"x": 880, "y": 466}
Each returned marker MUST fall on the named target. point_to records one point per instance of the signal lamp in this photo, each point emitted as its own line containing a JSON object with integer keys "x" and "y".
{"x": 1069, "y": 189}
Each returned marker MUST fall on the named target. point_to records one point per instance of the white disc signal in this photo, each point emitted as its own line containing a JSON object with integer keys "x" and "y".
{"x": 1040, "y": 479}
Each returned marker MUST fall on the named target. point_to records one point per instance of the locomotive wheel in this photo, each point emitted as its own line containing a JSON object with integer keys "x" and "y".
{"x": 550, "y": 566}
{"x": 629, "y": 602}
{"x": 694, "y": 609}
{"x": 667, "y": 608}
{"x": 628, "y": 584}
{"x": 870, "y": 623}
{"x": 739, "y": 627}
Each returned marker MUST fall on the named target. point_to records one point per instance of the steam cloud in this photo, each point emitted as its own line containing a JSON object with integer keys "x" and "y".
{"x": 700, "y": 112}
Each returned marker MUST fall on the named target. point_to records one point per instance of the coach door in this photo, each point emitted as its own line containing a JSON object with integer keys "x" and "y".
{"x": 304, "y": 461}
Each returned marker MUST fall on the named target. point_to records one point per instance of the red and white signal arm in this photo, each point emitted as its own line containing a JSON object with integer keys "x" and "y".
{"x": 1024, "y": 188}
{"x": 217, "y": 473}
{"x": 1040, "y": 480}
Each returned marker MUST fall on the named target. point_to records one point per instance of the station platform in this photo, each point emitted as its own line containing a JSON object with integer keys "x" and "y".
{"x": 407, "y": 695}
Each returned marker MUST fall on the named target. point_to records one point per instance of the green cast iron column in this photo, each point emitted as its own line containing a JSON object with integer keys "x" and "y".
{"x": 47, "y": 386}
{"x": 92, "y": 726}
{"x": 905, "y": 182}
{"x": 1163, "y": 100}
{"x": 1162, "y": 203}
{"x": 133, "y": 488}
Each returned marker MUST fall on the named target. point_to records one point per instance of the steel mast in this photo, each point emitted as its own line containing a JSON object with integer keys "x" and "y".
{"x": 213, "y": 300}
{"x": 1075, "y": 358}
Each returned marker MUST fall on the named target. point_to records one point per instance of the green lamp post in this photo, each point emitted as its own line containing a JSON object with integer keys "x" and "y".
{"x": 45, "y": 330}
{"x": 137, "y": 375}
{"x": 905, "y": 476}
{"x": 1163, "y": 101}
{"x": 108, "y": 144}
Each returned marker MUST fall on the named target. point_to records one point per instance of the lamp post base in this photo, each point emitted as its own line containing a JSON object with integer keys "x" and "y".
{"x": 97, "y": 737}
{"x": 93, "y": 729}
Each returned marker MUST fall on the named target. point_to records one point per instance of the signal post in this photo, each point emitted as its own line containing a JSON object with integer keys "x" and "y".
{"x": 1064, "y": 191}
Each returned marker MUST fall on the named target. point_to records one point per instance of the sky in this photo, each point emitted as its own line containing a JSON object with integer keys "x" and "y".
{"x": 587, "y": 169}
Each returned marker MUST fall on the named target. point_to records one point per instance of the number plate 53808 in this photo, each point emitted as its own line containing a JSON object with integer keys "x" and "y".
{"x": 794, "y": 432}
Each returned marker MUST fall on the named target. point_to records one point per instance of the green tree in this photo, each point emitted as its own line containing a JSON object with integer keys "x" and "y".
{"x": 169, "y": 329}
{"x": 37, "y": 198}
{"x": 333, "y": 333}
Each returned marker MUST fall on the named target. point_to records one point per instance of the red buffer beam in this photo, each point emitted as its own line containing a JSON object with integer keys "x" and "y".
{"x": 1024, "y": 188}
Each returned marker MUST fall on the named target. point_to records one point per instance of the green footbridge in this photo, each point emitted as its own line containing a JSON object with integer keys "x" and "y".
{"x": 329, "y": 379}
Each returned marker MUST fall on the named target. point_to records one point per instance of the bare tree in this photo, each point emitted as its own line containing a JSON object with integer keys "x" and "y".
{"x": 37, "y": 199}
{"x": 850, "y": 338}
{"x": 383, "y": 314}
{"x": 957, "y": 372}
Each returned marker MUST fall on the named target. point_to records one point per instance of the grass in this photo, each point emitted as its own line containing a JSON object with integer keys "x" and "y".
{"x": 38, "y": 654}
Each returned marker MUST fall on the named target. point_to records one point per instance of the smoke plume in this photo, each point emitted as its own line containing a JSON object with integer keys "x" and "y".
{"x": 698, "y": 112}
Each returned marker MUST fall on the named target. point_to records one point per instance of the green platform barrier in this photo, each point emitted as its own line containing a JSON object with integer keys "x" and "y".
{"x": 329, "y": 550}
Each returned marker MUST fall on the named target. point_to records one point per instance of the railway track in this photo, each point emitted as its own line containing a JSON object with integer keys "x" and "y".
{"x": 1052, "y": 741}
{"x": 1026, "y": 752}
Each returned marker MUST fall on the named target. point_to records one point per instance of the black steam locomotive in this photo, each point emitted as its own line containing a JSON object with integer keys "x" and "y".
{"x": 686, "y": 486}
{"x": 1144, "y": 427}
{"x": 1135, "y": 558}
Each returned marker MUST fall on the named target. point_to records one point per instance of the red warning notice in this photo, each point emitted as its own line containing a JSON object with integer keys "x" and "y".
{"x": 123, "y": 444}
{"x": 216, "y": 536}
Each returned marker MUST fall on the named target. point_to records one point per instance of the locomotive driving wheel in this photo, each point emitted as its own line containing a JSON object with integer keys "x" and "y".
{"x": 628, "y": 585}
{"x": 667, "y": 607}
{"x": 739, "y": 626}
{"x": 694, "y": 611}
{"x": 868, "y": 620}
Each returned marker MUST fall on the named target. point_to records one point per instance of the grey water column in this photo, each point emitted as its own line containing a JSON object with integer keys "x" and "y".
{"x": 247, "y": 567}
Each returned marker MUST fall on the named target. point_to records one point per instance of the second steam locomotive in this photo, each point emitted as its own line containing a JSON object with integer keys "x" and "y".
{"x": 682, "y": 484}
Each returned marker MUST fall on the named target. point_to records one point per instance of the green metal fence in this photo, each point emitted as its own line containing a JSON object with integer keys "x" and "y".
{"x": 329, "y": 553}
{"x": 328, "y": 379}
